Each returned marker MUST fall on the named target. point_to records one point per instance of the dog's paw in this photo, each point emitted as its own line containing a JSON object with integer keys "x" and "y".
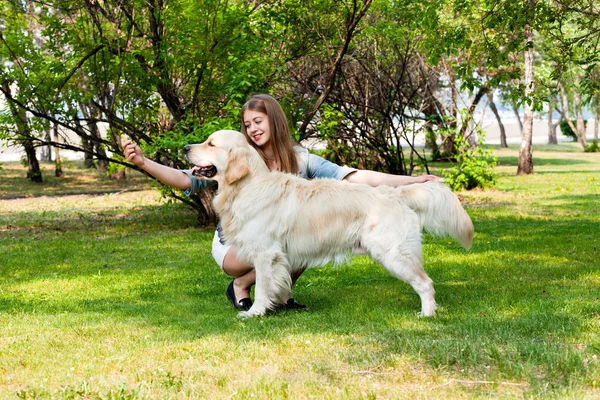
{"x": 250, "y": 313}
{"x": 421, "y": 315}
{"x": 428, "y": 309}
{"x": 245, "y": 315}
{"x": 429, "y": 313}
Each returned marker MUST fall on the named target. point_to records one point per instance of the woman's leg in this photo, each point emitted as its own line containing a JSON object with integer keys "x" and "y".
{"x": 243, "y": 273}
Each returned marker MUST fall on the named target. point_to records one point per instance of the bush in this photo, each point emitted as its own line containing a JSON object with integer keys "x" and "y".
{"x": 474, "y": 167}
{"x": 592, "y": 147}
{"x": 567, "y": 131}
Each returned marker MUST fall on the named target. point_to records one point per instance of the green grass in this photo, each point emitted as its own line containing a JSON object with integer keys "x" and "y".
{"x": 117, "y": 296}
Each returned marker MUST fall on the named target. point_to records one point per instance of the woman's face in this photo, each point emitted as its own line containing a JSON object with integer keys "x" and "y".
{"x": 257, "y": 127}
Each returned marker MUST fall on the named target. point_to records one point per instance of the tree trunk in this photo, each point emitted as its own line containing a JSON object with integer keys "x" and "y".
{"x": 581, "y": 133}
{"x": 448, "y": 141}
{"x": 90, "y": 112}
{"x": 465, "y": 124}
{"x": 494, "y": 109}
{"x": 24, "y": 137}
{"x": 33, "y": 167}
{"x": 102, "y": 161}
{"x": 596, "y": 115}
{"x": 552, "y": 126}
{"x": 525, "y": 166}
{"x": 86, "y": 143}
{"x": 516, "y": 111}
{"x": 577, "y": 129}
{"x": 88, "y": 158}
{"x": 430, "y": 140}
{"x": 46, "y": 151}
{"x": 58, "y": 172}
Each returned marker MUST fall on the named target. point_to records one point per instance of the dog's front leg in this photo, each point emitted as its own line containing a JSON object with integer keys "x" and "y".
{"x": 273, "y": 283}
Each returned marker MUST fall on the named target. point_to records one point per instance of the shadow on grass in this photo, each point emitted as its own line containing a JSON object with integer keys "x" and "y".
{"x": 133, "y": 220}
{"x": 76, "y": 180}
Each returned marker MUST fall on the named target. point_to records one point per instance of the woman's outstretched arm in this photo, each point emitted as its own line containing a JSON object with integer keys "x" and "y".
{"x": 374, "y": 178}
{"x": 167, "y": 175}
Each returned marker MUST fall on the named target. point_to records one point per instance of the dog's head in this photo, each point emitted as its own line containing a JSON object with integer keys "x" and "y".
{"x": 222, "y": 157}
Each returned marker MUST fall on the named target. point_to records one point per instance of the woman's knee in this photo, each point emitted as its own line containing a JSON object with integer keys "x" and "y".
{"x": 233, "y": 266}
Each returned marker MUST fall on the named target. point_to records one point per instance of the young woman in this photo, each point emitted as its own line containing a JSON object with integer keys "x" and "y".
{"x": 265, "y": 125}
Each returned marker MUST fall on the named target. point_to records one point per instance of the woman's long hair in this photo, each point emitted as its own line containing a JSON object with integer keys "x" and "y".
{"x": 281, "y": 140}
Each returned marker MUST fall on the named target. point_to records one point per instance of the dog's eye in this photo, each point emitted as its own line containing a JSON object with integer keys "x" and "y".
{"x": 210, "y": 144}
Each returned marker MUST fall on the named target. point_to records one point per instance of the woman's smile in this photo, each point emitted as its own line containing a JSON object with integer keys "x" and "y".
{"x": 256, "y": 136}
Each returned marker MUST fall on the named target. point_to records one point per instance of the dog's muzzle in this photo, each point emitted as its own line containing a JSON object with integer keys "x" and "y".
{"x": 207, "y": 172}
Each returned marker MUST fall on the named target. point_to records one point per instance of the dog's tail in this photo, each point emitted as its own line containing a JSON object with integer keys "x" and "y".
{"x": 440, "y": 211}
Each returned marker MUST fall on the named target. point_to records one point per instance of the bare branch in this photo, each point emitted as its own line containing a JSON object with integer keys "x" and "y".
{"x": 353, "y": 23}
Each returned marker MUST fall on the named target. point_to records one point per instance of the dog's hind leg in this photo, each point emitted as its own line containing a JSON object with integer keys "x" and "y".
{"x": 404, "y": 262}
{"x": 408, "y": 268}
{"x": 273, "y": 283}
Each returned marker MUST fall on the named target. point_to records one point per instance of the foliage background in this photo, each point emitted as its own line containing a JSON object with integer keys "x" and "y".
{"x": 362, "y": 76}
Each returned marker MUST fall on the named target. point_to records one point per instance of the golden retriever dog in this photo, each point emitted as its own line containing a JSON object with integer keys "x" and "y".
{"x": 280, "y": 223}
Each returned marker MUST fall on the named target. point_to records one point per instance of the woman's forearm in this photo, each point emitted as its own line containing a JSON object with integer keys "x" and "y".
{"x": 374, "y": 178}
{"x": 167, "y": 175}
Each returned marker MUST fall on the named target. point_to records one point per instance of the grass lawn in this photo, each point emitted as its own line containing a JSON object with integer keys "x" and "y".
{"x": 114, "y": 294}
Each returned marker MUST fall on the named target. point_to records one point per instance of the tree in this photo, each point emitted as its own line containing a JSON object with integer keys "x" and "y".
{"x": 355, "y": 12}
{"x": 23, "y": 137}
{"x": 494, "y": 109}
{"x": 18, "y": 127}
{"x": 575, "y": 57}
{"x": 552, "y": 138}
{"x": 525, "y": 165}
{"x": 164, "y": 74}
{"x": 596, "y": 117}
{"x": 377, "y": 104}
{"x": 573, "y": 106}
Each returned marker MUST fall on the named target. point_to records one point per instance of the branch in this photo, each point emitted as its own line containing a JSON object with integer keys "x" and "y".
{"x": 124, "y": 125}
{"x": 134, "y": 24}
{"x": 478, "y": 96}
{"x": 78, "y": 130}
{"x": 565, "y": 108}
{"x": 335, "y": 68}
{"x": 79, "y": 65}
{"x": 578, "y": 10}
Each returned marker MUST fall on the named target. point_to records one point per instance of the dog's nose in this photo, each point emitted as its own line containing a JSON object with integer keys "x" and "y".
{"x": 187, "y": 148}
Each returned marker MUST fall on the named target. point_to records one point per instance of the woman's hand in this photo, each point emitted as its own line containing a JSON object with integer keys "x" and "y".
{"x": 427, "y": 178}
{"x": 133, "y": 153}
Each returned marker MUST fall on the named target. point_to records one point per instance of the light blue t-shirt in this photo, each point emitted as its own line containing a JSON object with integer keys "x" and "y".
{"x": 310, "y": 166}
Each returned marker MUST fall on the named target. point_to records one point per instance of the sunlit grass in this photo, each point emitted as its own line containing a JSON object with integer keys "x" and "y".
{"x": 117, "y": 296}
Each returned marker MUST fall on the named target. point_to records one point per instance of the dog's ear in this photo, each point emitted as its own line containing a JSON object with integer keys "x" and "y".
{"x": 237, "y": 165}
